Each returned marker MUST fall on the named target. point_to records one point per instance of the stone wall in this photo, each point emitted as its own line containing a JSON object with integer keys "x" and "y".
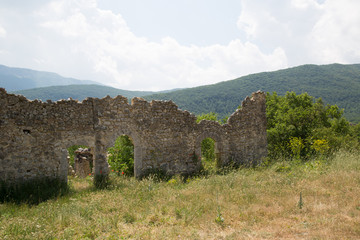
{"x": 34, "y": 135}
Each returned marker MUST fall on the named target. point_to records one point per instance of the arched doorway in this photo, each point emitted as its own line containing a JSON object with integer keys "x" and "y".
{"x": 208, "y": 149}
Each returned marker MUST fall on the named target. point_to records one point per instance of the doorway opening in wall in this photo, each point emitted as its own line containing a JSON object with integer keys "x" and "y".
{"x": 208, "y": 155}
{"x": 121, "y": 156}
{"x": 80, "y": 159}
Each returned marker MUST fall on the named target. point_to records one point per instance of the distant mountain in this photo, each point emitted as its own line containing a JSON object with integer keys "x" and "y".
{"x": 78, "y": 92}
{"x": 335, "y": 84}
{"x": 13, "y": 79}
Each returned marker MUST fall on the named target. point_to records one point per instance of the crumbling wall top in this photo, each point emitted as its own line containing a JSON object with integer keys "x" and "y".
{"x": 250, "y": 108}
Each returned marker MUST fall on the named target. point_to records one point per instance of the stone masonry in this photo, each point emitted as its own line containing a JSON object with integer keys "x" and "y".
{"x": 35, "y": 135}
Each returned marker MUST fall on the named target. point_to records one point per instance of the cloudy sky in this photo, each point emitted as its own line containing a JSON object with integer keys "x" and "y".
{"x": 166, "y": 44}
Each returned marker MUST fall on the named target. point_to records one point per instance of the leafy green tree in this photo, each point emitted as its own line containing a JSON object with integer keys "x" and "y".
{"x": 121, "y": 156}
{"x": 211, "y": 116}
{"x": 224, "y": 120}
{"x": 295, "y": 121}
{"x": 355, "y": 131}
{"x": 207, "y": 116}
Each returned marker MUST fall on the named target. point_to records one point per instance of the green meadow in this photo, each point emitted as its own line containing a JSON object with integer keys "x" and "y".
{"x": 316, "y": 199}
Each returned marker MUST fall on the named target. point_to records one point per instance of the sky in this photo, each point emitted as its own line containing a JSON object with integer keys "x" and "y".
{"x": 165, "y": 44}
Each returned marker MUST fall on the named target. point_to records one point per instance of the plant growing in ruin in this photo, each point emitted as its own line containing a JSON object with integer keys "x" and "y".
{"x": 121, "y": 156}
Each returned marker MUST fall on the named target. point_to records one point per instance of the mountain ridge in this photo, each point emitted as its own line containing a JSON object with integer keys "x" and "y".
{"x": 334, "y": 83}
{"x": 79, "y": 92}
{"x": 13, "y": 79}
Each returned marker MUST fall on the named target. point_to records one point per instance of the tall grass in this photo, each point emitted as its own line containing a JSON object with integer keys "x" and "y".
{"x": 32, "y": 191}
{"x": 256, "y": 203}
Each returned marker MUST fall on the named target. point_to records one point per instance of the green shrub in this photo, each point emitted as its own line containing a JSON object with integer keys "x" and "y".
{"x": 355, "y": 131}
{"x": 296, "y": 122}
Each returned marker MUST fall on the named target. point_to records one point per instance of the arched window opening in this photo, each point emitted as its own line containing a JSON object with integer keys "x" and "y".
{"x": 208, "y": 155}
{"x": 80, "y": 159}
{"x": 121, "y": 156}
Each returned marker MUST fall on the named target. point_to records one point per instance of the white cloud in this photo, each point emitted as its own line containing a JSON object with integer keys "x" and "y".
{"x": 280, "y": 23}
{"x": 304, "y": 4}
{"x": 78, "y": 39}
{"x": 257, "y": 19}
{"x": 336, "y": 36}
{"x": 127, "y": 61}
{"x": 308, "y": 31}
{"x": 2, "y": 32}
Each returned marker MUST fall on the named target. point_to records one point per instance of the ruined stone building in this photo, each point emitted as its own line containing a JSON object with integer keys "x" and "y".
{"x": 35, "y": 135}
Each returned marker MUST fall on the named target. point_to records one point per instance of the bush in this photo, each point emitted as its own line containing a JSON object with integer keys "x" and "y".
{"x": 300, "y": 126}
{"x": 355, "y": 131}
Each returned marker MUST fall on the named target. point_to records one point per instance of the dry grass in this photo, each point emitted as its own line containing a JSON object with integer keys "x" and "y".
{"x": 254, "y": 203}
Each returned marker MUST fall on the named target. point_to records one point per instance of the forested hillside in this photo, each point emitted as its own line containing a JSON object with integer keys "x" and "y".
{"x": 335, "y": 84}
{"x": 78, "y": 92}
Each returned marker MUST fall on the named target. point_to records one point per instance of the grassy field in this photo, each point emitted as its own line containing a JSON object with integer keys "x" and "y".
{"x": 262, "y": 203}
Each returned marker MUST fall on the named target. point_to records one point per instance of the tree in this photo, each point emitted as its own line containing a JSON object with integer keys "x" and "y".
{"x": 296, "y": 121}
{"x": 207, "y": 116}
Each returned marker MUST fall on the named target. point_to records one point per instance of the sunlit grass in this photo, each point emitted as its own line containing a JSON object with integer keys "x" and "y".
{"x": 257, "y": 203}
